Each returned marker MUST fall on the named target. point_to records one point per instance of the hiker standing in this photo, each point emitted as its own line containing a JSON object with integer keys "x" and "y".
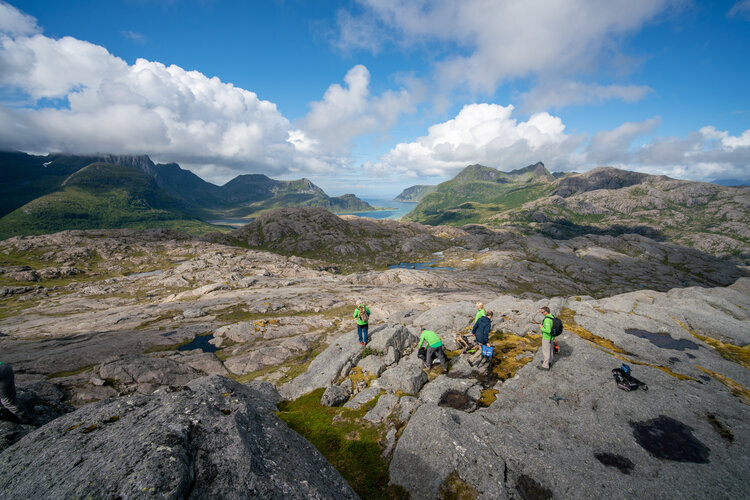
{"x": 434, "y": 348}
{"x": 480, "y": 312}
{"x": 547, "y": 343}
{"x": 362, "y": 315}
{"x": 8, "y": 393}
{"x": 481, "y": 331}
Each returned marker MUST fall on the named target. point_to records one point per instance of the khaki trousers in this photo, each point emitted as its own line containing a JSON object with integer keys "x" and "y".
{"x": 548, "y": 350}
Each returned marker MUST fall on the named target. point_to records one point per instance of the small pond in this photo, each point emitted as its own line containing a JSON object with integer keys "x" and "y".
{"x": 200, "y": 342}
{"x": 429, "y": 265}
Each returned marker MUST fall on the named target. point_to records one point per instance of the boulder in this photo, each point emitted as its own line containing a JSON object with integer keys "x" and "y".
{"x": 407, "y": 376}
{"x": 455, "y": 442}
{"x": 408, "y": 404}
{"x": 383, "y": 408}
{"x": 392, "y": 335}
{"x": 461, "y": 368}
{"x": 206, "y": 362}
{"x": 326, "y": 367}
{"x": 144, "y": 374}
{"x": 362, "y": 398}
{"x": 334, "y": 396}
{"x": 436, "y": 392}
{"x": 447, "y": 321}
{"x": 372, "y": 364}
{"x": 43, "y": 403}
{"x": 214, "y": 439}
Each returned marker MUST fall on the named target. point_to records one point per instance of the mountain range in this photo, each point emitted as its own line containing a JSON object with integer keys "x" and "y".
{"x": 605, "y": 200}
{"x": 42, "y": 194}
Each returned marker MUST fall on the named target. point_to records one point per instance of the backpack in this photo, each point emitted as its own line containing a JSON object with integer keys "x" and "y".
{"x": 487, "y": 351}
{"x": 363, "y": 316}
{"x": 557, "y": 327}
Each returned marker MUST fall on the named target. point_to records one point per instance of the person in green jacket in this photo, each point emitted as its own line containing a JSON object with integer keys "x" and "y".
{"x": 8, "y": 394}
{"x": 480, "y": 312}
{"x": 362, "y": 315}
{"x": 547, "y": 343}
{"x": 434, "y": 348}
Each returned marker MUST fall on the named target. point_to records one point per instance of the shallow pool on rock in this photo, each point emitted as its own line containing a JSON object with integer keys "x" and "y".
{"x": 200, "y": 342}
{"x": 663, "y": 340}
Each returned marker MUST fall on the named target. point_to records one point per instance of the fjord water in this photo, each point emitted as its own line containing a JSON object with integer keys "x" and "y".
{"x": 398, "y": 209}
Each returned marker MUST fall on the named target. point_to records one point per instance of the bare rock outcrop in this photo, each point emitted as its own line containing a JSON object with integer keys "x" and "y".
{"x": 214, "y": 438}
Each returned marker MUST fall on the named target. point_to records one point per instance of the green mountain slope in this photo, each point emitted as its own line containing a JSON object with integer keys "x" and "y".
{"x": 101, "y": 195}
{"x": 25, "y": 178}
{"x": 478, "y": 192}
{"x": 708, "y": 217}
{"x": 415, "y": 193}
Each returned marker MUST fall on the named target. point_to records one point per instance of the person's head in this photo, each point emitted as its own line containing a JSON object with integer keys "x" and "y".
{"x": 480, "y": 305}
{"x": 489, "y": 314}
{"x": 544, "y": 310}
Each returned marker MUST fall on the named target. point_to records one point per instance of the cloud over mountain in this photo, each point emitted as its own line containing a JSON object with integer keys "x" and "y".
{"x": 488, "y": 134}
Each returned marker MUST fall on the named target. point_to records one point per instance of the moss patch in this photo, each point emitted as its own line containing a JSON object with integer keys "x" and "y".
{"x": 734, "y": 353}
{"x": 349, "y": 443}
{"x": 737, "y": 389}
{"x": 507, "y": 348}
{"x": 455, "y": 488}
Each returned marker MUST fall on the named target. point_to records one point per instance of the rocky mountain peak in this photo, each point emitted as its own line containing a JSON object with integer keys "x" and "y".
{"x": 479, "y": 173}
{"x": 599, "y": 178}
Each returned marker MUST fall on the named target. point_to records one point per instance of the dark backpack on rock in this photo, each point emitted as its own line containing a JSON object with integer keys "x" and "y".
{"x": 557, "y": 327}
{"x": 626, "y": 381}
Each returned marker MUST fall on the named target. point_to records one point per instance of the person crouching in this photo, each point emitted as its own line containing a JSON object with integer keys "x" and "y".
{"x": 434, "y": 348}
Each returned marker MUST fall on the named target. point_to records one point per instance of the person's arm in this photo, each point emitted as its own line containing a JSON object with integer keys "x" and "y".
{"x": 474, "y": 328}
{"x": 356, "y": 313}
{"x": 546, "y": 325}
{"x": 367, "y": 309}
{"x": 421, "y": 339}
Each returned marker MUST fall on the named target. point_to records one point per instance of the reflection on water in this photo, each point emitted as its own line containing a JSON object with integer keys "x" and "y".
{"x": 231, "y": 222}
{"x": 397, "y": 209}
{"x": 430, "y": 265}
{"x": 200, "y": 342}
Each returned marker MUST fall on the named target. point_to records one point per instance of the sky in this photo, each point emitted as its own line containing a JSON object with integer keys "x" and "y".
{"x": 373, "y": 96}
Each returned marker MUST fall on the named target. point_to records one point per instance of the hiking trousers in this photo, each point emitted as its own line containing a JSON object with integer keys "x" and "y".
{"x": 548, "y": 351}
{"x": 439, "y": 354}
{"x": 362, "y": 332}
{"x": 8, "y": 392}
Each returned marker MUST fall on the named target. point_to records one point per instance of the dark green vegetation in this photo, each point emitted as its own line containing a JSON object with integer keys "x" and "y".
{"x": 44, "y": 194}
{"x": 415, "y": 193}
{"x": 348, "y": 442}
{"x": 102, "y": 196}
{"x": 479, "y": 192}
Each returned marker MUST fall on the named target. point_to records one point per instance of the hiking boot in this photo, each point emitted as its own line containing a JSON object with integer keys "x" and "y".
{"x": 540, "y": 367}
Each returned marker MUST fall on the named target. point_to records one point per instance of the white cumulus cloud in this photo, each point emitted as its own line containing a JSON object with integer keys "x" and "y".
{"x": 502, "y": 40}
{"x": 104, "y": 104}
{"x": 480, "y": 133}
{"x": 488, "y": 134}
{"x": 557, "y": 94}
{"x": 349, "y": 111}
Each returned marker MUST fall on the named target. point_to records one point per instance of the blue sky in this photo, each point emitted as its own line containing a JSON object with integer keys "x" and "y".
{"x": 372, "y": 96}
